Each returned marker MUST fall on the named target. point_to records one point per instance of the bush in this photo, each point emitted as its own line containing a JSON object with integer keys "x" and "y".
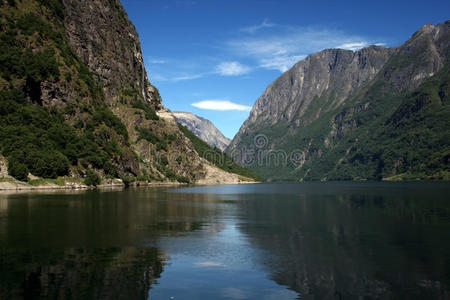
{"x": 92, "y": 178}
{"x": 18, "y": 170}
{"x": 149, "y": 112}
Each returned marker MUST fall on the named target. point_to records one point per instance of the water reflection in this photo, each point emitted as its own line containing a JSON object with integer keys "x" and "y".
{"x": 274, "y": 241}
{"x": 346, "y": 243}
{"x": 110, "y": 273}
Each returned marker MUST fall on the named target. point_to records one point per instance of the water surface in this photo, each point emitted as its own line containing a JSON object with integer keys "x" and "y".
{"x": 267, "y": 241}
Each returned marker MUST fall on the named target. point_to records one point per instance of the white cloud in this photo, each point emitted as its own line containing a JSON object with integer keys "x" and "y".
{"x": 282, "y": 47}
{"x": 232, "y": 68}
{"x": 353, "y": 46}
{"x": 188, "y": 77}
{"x": 282, "y": 63}
{"x": 157, "y": 61}
{"x": 221, "y": 105}
{"x": 255, "y": 28}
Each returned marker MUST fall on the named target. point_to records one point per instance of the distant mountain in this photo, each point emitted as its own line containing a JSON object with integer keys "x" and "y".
{"x": 203, "y": 129}
{"x": 376, "y": 113}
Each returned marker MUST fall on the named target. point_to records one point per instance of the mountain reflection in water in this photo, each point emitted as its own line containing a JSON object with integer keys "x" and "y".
{"x": 268, "y": 241}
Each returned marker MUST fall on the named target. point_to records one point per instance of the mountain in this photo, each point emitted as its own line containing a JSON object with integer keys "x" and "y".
{"x": 203, "y": 129}
{"x": 376, "y": 113}
{"x": 75, "y": 96}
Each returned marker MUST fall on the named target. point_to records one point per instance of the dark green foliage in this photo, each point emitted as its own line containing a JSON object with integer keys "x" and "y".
{"x": 149, "y": 136}
{"x": 105, "y": 116}
{"x": 55, "y": 6}
{"x": 149, "y": 112}
{"x": 164, "y": 160}
{"x": 12, "y": 3}
{"x": 89, "y": 78}
{"x": 30, "y": 24}
{"x": 33, "y": 136}
{"x": 34, "y": 67}
{"x": 17, "y": 169}
{"x": 215, "y": 156}
{"x": 92, "y": 178}
{"x": 47, "y": 145}
{"x": 169, "y": 173}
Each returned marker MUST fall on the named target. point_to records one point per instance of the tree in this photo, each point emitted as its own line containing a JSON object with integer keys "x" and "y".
{"x": 18, "y": 170}
{"x": 92, "y": 178}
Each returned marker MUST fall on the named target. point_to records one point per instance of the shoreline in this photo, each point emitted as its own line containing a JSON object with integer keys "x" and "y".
{"x": 11, "y": 186}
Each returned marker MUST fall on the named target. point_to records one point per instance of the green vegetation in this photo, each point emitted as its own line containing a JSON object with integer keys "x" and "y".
{"x": 161, "y": 143}
{"x": 41, "y": 142}
{"x": 17, "y": 169}
{"x": 37, "y": 139}
{"x": 92, "y": 178}
{"x": 58, "y": 181}
{"x": 217, "y": 157}
{"x": 149, "y": 112}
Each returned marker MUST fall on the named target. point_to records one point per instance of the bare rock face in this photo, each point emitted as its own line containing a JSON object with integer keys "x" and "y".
{"x": 102, "y": 36}
{"x": 203, "y": 129}
{"x": 330, "y": 74}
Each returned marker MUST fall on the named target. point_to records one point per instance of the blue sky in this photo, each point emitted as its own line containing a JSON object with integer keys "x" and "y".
{"x": 215, "y": 57}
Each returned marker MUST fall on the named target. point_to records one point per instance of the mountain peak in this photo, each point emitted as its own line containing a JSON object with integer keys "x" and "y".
{"x": 323, "y": 109}
{"x": 203, "y": 129}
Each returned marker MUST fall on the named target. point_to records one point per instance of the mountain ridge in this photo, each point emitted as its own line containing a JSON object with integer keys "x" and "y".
{"x": 312, "y": 120}
{"x": 76, "y": 97}
{"x": 203, "y": 128}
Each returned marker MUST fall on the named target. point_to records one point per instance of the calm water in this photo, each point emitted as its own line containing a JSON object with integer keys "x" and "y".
{"x": 268, "y": 241}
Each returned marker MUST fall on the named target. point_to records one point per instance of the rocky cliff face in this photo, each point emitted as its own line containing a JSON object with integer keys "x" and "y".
{"x": 307, "y": 113}
{"x": 332, "y": 73}
{"x": 104, "y": 39}
{"x": 203, "y": 128}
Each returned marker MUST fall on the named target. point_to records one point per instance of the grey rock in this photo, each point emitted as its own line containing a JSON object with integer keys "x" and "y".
{"x": 102, "y": 36}
{"x": 203, "y": 129}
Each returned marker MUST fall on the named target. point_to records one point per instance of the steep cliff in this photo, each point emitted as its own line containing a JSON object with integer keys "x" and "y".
{"x": 317, "y": 120}
{"x": 75, "y": 96}
{"x": 203, "y": 129}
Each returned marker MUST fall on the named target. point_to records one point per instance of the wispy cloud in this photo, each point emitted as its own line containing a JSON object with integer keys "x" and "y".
{"x": 232, "y": 68}
{"x": 188, "y": 77}
{"x": 155, "y": 77}
{"x": 157, "y": 61}
{"x": 219, "y": 104}
{"x": 255, "y": 28}
{"x": 353, "y": 46}
{"x": 283, "y": 46}
{"x": 281, "y": 62}
{"x": 262, "y": 46}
